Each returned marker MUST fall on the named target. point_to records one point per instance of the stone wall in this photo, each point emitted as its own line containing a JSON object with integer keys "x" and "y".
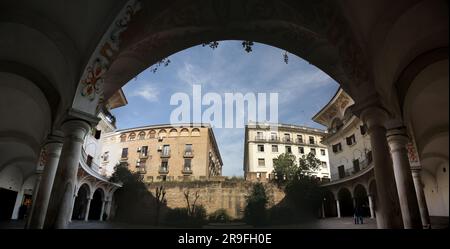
{"x": 214, "y": 195}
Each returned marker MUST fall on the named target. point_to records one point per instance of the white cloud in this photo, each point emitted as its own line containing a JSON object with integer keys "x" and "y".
{"x": 147, "y": 91}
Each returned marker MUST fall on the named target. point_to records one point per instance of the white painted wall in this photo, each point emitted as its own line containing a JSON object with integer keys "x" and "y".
{"x": 11, "y": 178}
{"x": 268, "y": 155}
{"x": 436, "y": 190}
{"x": 349, "y": 152}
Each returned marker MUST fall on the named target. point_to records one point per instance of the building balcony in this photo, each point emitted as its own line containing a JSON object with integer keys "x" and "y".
{"x": 188, "y": 154}
{"x": 123, "y": 159}
{"x": 163, "y": 170}
{"x": 260, "y": 138}
{"x": 141, "y": 169}
{"x": 186, "y": 171}
{"x": 165, "y": 154}
{"x": 143, "y": 155}
{"x": 356, "y": 170}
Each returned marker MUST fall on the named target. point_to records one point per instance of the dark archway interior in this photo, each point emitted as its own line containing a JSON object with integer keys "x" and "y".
{"x": 345, "y": 202}
{"x": 96, "y": 205}
{"x": 8, "y": 198}
{"x": 80, "y": 205}
{"x": 373, "y": 193}
{"x": 362, "y": 200}
{"x": 329, "y": 204}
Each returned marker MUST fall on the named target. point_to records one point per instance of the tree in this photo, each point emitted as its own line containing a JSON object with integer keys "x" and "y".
{"x": 303, "y": 192}
{"x": 255, "y": 211}
{"x": 160, "y": 194}
{"x": 285, "y": 168}
{"x": 308, "y": 163}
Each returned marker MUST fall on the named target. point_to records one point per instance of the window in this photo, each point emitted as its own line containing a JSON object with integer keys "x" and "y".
{"x": 273, "y": 136}
{"x": 164, "y": 166}
{"x": 351, "y": 140}
{"x": 152, "y": 134}
{"x": 300, "y": 139}
{"x": 301, "y": 150}
{"x": 89, "y": 160}
{"x": 341, "y": 171}
{"x": 324, "y": 164}
{"x": 123, "y": 138}
{"x": 187, "y": 164}
{"x": 97, "y": 134}
{"x": 132, "y": 136}
{"x": 105, "y": 156}
{"x": 287, "y": 137}
{"x": 356, "y": 165}
{"x": 274, "y": 148}
{"x": 188, "y": 149}
{"x": 288, "y": 149}
{"x": 184, "y": 132}
{"x": 363, "y": 129}
{"x": 313, "y": 151}
{"x": 337, "y": 148}
{"x": 261, "y": 162}
{"x": 322, "y": 152}
{"x": 311, "y": 140}
{"x": 166, "y": 150}
{"x": 259, "y": 135}
{"x": 125, "y": 153}
{"x": 141, "y": 135}
{"x": 195, "y": 132}
{"x": 144, "y": 150}
{"x": 260, "y": 147}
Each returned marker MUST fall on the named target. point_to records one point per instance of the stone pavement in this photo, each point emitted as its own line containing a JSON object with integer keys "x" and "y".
{"x": 327, "y": 223}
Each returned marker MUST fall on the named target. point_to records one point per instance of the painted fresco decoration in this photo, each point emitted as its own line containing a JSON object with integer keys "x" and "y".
{"x": 412, "y": 155}
{"x": 42, "y": 159}
{"x": 91, "y": 87}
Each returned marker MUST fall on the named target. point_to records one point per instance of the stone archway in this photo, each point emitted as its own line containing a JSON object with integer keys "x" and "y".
{"x": 81, "y": 202}
{"x": 144, "y": 37}
{"x": 345, "y": 202}
{"x": 329, "y": 204}
{"x": 361, "y": 199}
{"x": 96, "y": 204}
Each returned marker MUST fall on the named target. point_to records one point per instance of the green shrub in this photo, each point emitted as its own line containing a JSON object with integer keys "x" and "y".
{"x": 255, "y": 211}
{"x": 179, "y": 217}
{"x": 219, "y": 216}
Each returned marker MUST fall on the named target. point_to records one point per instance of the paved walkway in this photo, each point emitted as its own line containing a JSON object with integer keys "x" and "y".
{"x": 327, "y": 223}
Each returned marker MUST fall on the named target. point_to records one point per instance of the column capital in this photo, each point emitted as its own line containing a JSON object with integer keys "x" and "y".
{"x": 397, "y": 138}
{"x": 374, "y": 116}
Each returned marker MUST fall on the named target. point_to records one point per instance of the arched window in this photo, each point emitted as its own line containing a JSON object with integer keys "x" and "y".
{"x": 141, "y": 135}
{"x": 123, "y": 138}
{"x": 173, "y": 133}
{"x": 184, "y": 132}
{"x": 132, "y": 136}
{"x": 162, "y": 133}
{"x": 152, "y": 134}
{"x": 195, "y": 132}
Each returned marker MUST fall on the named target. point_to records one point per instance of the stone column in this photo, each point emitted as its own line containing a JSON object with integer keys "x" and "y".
{"x": 323, "y": 209}
{"x": 389, "y": 214}
{"x": 423, "y": 208}
{"x": 33, "y": 203}
{"x": 49, "y": 161}
{"x": 73, "y": 204}
{"x": 338, "y": 208}
{"x": 18, "y": 203}
{"x": 372, "y": 214}
{"x": 88, "y": 207}
{"x": 398, "y": 139}
{"x": 58, "y": 214}
{"x": 102, "y": 210}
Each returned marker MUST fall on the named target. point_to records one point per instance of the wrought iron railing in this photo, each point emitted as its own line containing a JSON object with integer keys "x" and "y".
{"x": 352, "y": 171}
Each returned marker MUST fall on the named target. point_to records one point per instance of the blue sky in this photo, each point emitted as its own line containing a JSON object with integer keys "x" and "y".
{"x": 302, "y": 89}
